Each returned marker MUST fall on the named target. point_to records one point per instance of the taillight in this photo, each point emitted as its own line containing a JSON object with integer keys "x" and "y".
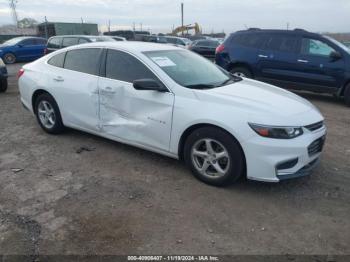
{"x": 45, "y": 51}
{"x": 220, "y": 48}
{"x": 20, "y": 72}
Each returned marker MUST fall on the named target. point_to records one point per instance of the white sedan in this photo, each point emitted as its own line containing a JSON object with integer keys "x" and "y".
{"x": 174, "y": 102}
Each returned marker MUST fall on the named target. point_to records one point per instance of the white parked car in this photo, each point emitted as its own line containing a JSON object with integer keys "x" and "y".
{"x": 174, "y": 102}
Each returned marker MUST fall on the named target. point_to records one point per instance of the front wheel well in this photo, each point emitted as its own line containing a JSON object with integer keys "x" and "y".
{"x": 346, "y": 85}
{"x": 240, "y": 64}
{"x": 35, "y": 96}
{"x": 191, "y": 129}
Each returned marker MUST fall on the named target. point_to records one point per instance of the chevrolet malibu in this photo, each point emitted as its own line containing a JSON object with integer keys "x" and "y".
{"x": 171, "y": 101}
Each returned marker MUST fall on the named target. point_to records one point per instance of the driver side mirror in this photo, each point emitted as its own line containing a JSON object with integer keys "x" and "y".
{"x": 149, "y": 84}
{"x": 334, "y": 56}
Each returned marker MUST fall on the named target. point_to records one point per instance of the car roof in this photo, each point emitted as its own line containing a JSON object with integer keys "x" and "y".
{"x": 86, "y": 36}
{"x": 296, "y": 31}
{"x": 132, "y": 46}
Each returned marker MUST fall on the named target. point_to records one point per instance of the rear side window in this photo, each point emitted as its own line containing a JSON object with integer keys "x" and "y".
{"x": 172, "y": 40}
{"x": 69, "y": 41}
{"x": 83, "y": 41}
{"x": 281, "y": 43}
{"x": 315, "y": 47}
{"x": 124, "y": 67}
{"x": 83, "y": 60}
{"x": 249, "y": 40}
{"x": 40, "y": 41}
{"x": 54, "y": 43}
{"x": 57, "y": 60}
{"x": 28, "y": 42}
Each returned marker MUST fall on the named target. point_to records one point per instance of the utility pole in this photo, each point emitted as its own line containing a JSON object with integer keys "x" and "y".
{"x": 13, "y": 4}
{"x": 133, "y": 26}
{"x": 182, "y": 17}
{"x": 141, "y": 26}
{"x": 288, "y": 26}
{"x": 46, "y": 33}
{"x": 109, "y": 26}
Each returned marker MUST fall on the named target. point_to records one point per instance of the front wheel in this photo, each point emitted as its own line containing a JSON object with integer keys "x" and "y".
{"x": 48, "y": 114}
{"x": 3, "y": 85}
{"x": 347, "y": 95}
{"x": 241, "y": 72}
{"x": 214, "y": 156}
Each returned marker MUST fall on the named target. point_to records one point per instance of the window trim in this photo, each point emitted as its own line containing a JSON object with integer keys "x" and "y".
{"x": 104, "y": 67}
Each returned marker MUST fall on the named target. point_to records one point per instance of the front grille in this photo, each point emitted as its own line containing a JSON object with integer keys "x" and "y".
{"x": 314, "y": 127}
{"x": 316, "y": 146}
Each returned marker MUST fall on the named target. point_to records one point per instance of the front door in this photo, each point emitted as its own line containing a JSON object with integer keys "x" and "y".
{"x": 317, "y": 70}
{"x": 137, "y": 117}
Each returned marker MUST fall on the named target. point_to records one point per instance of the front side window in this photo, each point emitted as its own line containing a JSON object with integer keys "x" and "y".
{"x": 57, "y": 60}
{"x": 124, "y": 67}
{"x": 189, "y": 69}
{"x": 39, "y": 41}
{"x": 315, "y": 47}
{"x": 83, "y": 60}
{"x": 69, "y": 41}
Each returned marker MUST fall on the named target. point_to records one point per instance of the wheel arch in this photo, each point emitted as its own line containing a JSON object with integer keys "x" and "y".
{"x": 342, "y": 91}
{"x": 192, "y": 128}
{"x": 35, "y": 96}
{"x": 241, "y": 64}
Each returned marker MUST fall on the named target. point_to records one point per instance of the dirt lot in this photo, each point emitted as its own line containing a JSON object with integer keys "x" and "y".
{"x": 115, "y": 199}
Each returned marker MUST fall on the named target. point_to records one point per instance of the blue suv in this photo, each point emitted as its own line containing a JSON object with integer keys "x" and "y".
{"x": 22, "y": 49}
{"x": 294, "y": 59}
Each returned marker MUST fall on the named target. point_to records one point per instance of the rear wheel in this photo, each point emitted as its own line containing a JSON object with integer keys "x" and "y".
{"x": 347, "y": 95}
{"x": 9, "y": 58}
{"x": 214, "y": 156}
{"x": 241, "y": 72}
{"x": 3, "y": 85}
{"x": 48, "y": 114}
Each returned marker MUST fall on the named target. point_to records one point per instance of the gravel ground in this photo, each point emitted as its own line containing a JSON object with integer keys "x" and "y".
{"x": 80, "y": 194}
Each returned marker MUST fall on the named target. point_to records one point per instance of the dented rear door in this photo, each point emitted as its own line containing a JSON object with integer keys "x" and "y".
{"x": 142, "y": 117}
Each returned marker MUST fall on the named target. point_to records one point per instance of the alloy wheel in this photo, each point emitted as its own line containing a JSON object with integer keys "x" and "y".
{"x": 210, "y": 158}
{"x": 46, "y": 114}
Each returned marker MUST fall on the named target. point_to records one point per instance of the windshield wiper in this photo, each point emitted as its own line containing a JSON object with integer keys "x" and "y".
{"x": 200, "y": 86}
{"x": 232, "y": 79}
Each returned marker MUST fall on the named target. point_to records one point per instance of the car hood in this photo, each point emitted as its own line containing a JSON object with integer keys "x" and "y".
{"x": 261, "y": 100}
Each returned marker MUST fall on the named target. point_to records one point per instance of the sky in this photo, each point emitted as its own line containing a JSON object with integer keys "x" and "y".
{"x": 160, "y": 16}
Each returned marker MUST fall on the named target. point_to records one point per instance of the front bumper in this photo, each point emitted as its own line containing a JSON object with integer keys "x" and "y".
{"x": 273, "y": 160}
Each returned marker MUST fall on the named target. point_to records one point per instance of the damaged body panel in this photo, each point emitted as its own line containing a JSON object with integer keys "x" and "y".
{"x": 141, "y": 117}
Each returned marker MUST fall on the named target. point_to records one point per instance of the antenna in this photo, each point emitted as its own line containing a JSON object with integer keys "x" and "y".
{"x": 13, "y": 4}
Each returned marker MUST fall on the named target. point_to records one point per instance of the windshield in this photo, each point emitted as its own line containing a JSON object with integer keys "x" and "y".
{"x": 342, "y": 46}
{"x": 189, "y": 69}
{"x": 13, "y": 41}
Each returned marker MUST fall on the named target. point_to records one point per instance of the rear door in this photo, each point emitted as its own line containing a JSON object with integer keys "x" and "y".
{"x": 77, "y": 86}
{"x": 277, "y": 59}
{"x": 317, "y": 71}
{"x": 141, "y": 117}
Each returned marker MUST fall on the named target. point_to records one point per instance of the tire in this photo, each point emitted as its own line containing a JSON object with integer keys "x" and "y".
{"x": 3, "y": 85}
{"x": 241, "y": 72}
{"x": 196, "y": 154}
{"x": 9, "y": 58}
{"x": 48, "y": 114}
{"x": 347, "y": 95}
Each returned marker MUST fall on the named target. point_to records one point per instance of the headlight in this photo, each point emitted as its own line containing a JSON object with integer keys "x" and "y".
{"x": 277, "y": 132}
{"x": 1, "y": 63}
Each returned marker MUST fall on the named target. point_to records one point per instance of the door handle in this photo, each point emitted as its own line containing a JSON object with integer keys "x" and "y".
{"x": 303, "y": 61}
{"x": 58, "y": 79}
{"x": 108, "y": 90}
{"x": 263, "y": 56}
